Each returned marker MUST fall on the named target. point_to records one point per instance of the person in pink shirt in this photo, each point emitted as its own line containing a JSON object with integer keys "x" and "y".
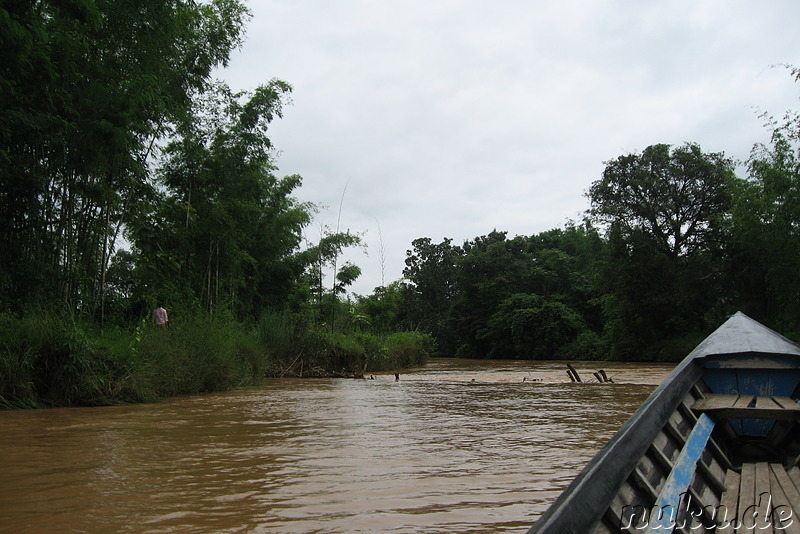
{"x": 160, "y": 316}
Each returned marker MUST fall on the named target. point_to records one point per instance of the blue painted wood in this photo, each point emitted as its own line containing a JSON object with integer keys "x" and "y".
{"x": 741, "y": 343}
{"x": 721, "y": 381}
{"x": 761, "y": 382}
{"x": 724, "y": 381}
{"x": 764, "y": 382}
{"x": 751, "y": 360}
{"x": 664, "y": 514}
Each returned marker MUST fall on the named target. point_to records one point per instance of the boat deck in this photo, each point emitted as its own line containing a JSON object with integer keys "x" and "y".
{"x": 760, "y": 497}
{"x": 720, "y": 490}
{"x": 749, "y": 406}
{"x": 715, "y": 449}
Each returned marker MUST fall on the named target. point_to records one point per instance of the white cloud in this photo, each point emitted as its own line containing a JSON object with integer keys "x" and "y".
{"x": 452, "y": 118}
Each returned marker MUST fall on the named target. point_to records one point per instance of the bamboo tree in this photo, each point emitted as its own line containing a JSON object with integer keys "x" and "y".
{"x": 231, "y": 224}
{"x": 87, "y": 86}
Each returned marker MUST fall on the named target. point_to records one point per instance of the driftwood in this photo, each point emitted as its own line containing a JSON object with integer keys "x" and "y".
{"x": 600, "y": 375}
{"x": 573, "y": 374}
{"x": 287, "y": 369}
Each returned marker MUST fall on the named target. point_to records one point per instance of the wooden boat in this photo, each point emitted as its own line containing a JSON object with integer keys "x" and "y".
{"x": 714, "y": 449}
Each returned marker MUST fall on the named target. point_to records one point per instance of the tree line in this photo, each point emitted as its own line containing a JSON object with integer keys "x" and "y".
{"x": 130, "y": 178}
{"x": 673, "y": 242}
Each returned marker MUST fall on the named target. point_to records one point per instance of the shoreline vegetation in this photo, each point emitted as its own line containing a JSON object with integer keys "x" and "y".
{"x": 54, "y": 360}
{"x": 131, "y": 178}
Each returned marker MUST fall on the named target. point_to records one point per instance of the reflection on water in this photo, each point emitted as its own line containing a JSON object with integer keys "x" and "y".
{"x": 459, "y": 446}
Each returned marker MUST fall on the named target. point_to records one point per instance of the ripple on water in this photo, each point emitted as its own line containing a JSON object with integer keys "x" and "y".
{"x": 434, "y": 452}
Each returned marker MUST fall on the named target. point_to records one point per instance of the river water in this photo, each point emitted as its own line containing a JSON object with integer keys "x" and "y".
{"x": 456, "y": 446}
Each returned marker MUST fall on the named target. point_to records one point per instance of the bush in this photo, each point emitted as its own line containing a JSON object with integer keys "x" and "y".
{"x": 198, "y": 354}
{"x": 276, "y": 334}
{"x": 52, "y": 359}
{"x": 297, "y": 348}
{"x": 48, "y": 358}
{"x": 402, "y": 350}
{"x": 586, "y": 346}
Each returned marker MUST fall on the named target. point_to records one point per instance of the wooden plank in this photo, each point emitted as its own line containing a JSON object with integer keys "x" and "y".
{"x": 787, "y": 403}
{"x": 743, "y": 401}
{"x": 671, "y": 430}
{"x": 766, "y": 403}
{"x": 788, "y": 487}
{"x": 794, "y": 474}
{"x": 747, "y": 491}
{"x": 729, "y": 504}
{"x": 763, "y": 501}
{"x": 666, "y": 507}
{"x": 784, "y": 515}
{"x": 738, "y": 406}
{"x": 714, "y": 480}
{"x": 642, "y": 480}
{"x": 612, "y": 521}
{"x": 715, "y": 402}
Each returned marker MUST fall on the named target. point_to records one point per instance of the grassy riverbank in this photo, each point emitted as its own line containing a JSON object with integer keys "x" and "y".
{"x": 51, "y": 359}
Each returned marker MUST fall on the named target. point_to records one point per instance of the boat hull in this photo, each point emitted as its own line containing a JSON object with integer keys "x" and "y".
{"x": 726, "y": 417}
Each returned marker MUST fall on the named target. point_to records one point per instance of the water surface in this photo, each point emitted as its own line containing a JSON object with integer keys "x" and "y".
{"x": 457, "y": 446}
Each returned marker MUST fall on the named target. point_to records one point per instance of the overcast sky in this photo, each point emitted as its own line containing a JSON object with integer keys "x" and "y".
{"x": 451, "y": 118}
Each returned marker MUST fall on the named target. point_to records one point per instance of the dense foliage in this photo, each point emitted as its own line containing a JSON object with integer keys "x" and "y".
{"x": 88, "y": 87}
{"x": 674, "y": 241}
{"x": 495, "y": 297}
{"x": 129, "y": 179}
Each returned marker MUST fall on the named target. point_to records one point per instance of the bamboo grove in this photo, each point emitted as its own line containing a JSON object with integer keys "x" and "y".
{"x": 129, "y": 176}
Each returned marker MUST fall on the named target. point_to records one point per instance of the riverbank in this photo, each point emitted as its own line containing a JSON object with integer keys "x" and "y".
{"x": 48, "y": 359}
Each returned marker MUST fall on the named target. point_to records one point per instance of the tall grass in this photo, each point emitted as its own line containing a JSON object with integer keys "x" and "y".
{"x": 199, "y": 354}
{"x": 50, "y": 359}
{"x": 401, "y": 350}
{"x": 297, "y": 348}
{"x": 53, "y": 359}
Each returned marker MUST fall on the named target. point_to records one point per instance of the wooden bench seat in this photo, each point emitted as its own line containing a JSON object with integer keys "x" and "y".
{"x": 762, "y": 498}
{"x": 748, "y": 406}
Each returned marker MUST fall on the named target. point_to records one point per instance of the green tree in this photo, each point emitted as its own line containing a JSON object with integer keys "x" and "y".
{"x": 315, "y": 261}
{"x": 557, "y": 267}
{"x": 226, "y": 229}
{"x": 528, "y": 326}
{"x": 430, "y": 274}
{"x": 86, "y": 89}
{"x": 665, "y": 208}
{"x": 482, "y": 308}
{"x": 382, "y": 308}
{"x": 492, "y": 268}
{"x": 764, "y": 248}
{"x": 673, "y": 195}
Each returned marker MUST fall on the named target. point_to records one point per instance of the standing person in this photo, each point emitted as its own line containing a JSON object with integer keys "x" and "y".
{"x": 160, "y": 316}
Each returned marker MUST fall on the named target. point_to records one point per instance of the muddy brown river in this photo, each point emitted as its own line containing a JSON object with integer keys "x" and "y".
{"x": 456, "y": 446}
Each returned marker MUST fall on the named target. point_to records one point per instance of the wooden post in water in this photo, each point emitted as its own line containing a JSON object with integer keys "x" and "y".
{"x": 574, "y": 374}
